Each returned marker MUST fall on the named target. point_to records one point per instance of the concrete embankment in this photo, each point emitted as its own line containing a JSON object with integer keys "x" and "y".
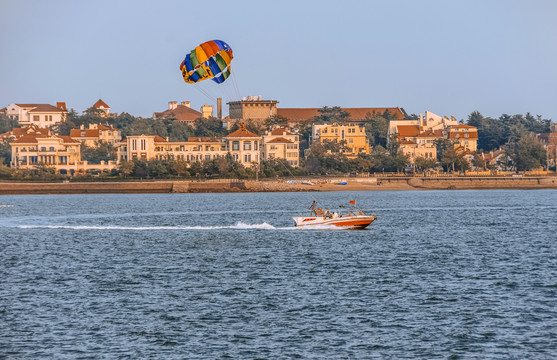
{"x": 352, "y": 184}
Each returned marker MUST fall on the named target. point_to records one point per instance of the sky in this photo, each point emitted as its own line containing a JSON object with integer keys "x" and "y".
{"x": 448, "y": 57}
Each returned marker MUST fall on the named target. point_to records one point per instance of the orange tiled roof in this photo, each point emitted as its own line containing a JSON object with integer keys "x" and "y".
{"x": 431, "y": 133}
{"x": 279, "y": 140}
{"x": 100, "y": 104}
{"x": 242, "y": 132}
{"x": 159, "y": 139}
{"x": 181, "y": 113}
{"x": 32, "y": 139}
{"x": 301, "y": 114}
{"x": 89, "y": 133}
{"x": 407, "y": 142}
{"x": 41, "y": 107}
{"x": 281, "y": 131}
{"x": 407, "y": 131}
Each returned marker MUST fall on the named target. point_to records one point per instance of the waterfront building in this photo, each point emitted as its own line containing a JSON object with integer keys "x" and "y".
{"x": 418, "y": 137}
{"x": 96, "y": 134}
{"x": 417, "y": 144}
{"x": 244, "y": 146}
{"x": 183, "y": 112}
{"x": 154, "y": 147}
{"x": 40, "y": 115}
{"x": 429, "y": 121}
{"x": 62, "y": 153}
{"x": 280, "y": 143}
{"x": 352, "y": 137}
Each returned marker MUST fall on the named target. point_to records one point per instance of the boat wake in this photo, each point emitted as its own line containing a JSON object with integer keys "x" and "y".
{"x": 238, "y": 226}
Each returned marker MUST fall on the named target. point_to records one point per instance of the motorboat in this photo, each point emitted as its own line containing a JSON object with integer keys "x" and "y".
{"x": 348, "y": 217}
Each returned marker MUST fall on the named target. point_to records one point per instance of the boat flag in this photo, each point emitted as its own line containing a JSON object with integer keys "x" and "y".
{"x": 353, "y": 202}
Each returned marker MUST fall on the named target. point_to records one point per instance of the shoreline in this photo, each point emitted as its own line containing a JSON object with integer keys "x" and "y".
{"x": 238, "y": 186}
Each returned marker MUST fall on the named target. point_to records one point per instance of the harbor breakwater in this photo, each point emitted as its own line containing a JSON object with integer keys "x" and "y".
{"x": 323, "y": 184}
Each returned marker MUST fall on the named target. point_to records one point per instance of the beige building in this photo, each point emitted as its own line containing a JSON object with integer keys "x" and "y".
{"x": 244, "y": 146}
{"x": 96, "y": 134}
{"x": 59, "y": 152}
{"x": 427, "y": 121}
{"x": 465, "y": 135}
{"x": 280, "y": 143}
{"x": 151, "y": 147}
{"x": 40, "y": 115}
{"x": 250, "y": 108}
{"x": 351, "y": 136}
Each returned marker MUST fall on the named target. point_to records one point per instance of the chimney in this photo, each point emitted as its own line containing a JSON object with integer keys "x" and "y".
{"x": 219, "y": 108}
{"x": 61, "y": 106}
{"x": 172, "y": 105}
{"x": 186, "y": 103}
{"x": 207, "y": 111}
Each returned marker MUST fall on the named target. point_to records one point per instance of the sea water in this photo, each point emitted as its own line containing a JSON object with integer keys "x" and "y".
{"x": 440, "y": 274}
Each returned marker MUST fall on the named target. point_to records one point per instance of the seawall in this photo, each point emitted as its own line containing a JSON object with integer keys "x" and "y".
{"x": 325, "y": 184}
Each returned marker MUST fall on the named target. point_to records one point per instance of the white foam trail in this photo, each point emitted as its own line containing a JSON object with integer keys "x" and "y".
{"x": 239, "y": 226}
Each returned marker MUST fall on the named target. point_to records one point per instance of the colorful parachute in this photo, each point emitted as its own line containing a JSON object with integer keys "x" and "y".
{"x": 210, "y": 60}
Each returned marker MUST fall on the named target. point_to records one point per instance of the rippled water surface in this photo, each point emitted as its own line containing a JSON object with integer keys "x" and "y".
{"x": 440, "y": 274}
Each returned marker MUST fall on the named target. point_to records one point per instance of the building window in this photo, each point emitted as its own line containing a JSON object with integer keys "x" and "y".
{"x": 247, "y": 145}
{"x": 466, "y": 135}
{"x": 35, "y": 117}
{"x": 247, "y": 158}
{"x": 52, "y": 148}
{"x": 235, "y": 145}
{"x": 255, "y": 145}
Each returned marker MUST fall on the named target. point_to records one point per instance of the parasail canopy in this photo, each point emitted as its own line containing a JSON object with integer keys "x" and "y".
{"x": 210, "y": 60}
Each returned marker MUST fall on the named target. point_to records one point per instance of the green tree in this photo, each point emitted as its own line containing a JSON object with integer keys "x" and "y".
{"x": 377, "y": 128}
{"x": 527, "y": 154}
{"x": 423, "y": 164}
{"x": 332, "y": 115}
{"x": 453, "y": 159}
{"x": 6, "y": 124}
{"x": 94, "y": 155}
{"x": 5, "y": 153}
{"x": 211, "y": 127}
{"x": 126, "y": 168}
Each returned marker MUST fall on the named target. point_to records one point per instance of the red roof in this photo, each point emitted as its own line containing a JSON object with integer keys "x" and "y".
{"x": 241, "y": 133}
{"x": 159, "y": 139}
{"x": 281, "y": 131}
{"x": 180, "y": 113}
{"x": 356, "y": 114}
{"x": 19, "y": 132}
{"x": 431, "y": 134}
{"x": 32, "y": 139}
{"x": 407, "y": 131}
{"x": 77, "y": 133}
{"x": 101, "y": 104}
{"x": 41, "y": 107}
{"x": 279, "y": 140}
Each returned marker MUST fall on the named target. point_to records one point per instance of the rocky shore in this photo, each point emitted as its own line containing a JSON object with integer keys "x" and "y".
{"x": 321, "y": 184}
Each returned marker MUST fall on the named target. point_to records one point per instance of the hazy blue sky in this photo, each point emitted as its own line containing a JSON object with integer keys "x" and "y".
{"x": 449, "y": 57}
